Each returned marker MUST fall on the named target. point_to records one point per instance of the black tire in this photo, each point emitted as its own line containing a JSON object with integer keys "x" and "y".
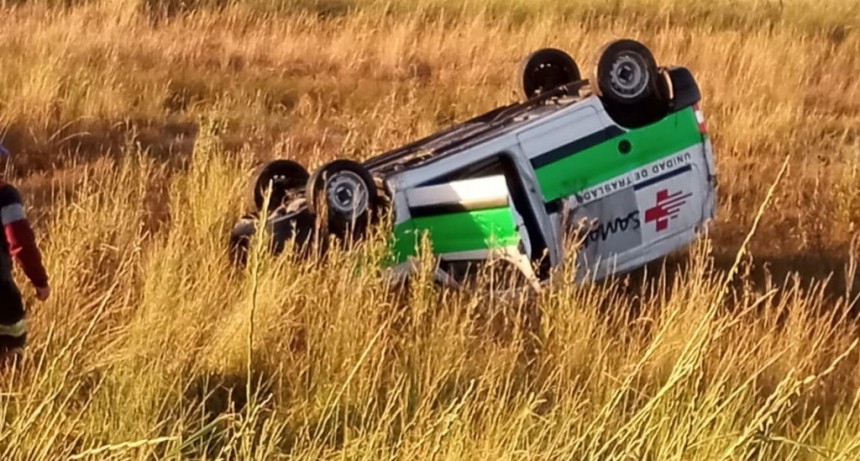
{"x": 344, "y": 194}
{"x": 627, "y": 74}
{"x": 285, "y": 174}
{"x": 545, "y": 70}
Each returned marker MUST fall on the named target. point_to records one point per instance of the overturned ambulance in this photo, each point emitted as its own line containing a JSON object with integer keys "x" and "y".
{"x": 625, "y": 152}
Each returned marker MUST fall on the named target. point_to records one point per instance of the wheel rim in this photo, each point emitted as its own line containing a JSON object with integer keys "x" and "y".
{"x": 550, "y": 74}
{"x": 276, "y": 183}
{"x": 628, "y": 77}
{"x": 544, "y": 71}
{"x": 277, "y": 179}
{"x": 276, "y": 186}
{"x": 346, "y": 194}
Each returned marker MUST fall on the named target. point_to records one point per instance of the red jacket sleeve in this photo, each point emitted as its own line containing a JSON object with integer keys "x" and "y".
{"x": 20, "y": 237}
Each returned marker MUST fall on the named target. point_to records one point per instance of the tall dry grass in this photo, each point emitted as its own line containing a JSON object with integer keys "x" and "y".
{"x": 153, "y": 347}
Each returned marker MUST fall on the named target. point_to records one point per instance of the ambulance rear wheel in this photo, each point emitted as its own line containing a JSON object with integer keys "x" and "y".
{"x": 344, "y": 195}
{"x": 627, "y": 74}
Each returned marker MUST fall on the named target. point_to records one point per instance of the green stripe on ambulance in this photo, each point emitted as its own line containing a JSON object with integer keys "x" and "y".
{"x": 457, "y": 232}
{"x": 587, "y": 168}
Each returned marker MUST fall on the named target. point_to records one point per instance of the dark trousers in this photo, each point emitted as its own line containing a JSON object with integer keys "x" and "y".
{"x": 11, "y": 312}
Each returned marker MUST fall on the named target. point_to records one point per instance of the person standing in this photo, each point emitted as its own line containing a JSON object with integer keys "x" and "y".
{"x": 18, "y": 244}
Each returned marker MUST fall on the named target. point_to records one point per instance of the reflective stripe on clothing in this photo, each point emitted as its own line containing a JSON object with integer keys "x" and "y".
{"x": 12, "y": 213}
{"x": 16, "y": 330}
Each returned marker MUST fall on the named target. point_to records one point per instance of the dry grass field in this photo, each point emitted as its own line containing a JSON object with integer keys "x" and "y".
{"x": 133, "y": 133}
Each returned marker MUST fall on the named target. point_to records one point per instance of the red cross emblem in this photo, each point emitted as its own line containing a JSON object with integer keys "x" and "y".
{"x": 667, "y": 207}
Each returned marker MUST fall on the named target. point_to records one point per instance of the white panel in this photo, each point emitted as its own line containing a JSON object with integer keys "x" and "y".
{"x": 652, "y": 211}
{"x": 464, "y": 192}
{"x": 571, "y": 126}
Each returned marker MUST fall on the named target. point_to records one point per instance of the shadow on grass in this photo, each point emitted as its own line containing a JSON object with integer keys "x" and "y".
{"x": 827, "y": 271}
{"x": 218, "y": 398}
{"x": 228, "y": 408}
